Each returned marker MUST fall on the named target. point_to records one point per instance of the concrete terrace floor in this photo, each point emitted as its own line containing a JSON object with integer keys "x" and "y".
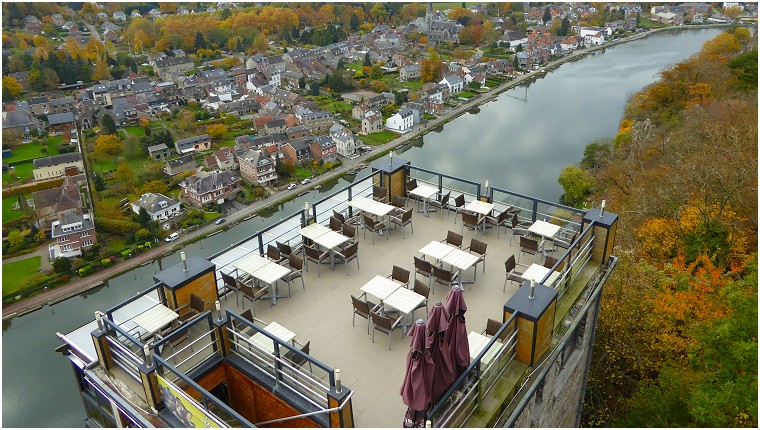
{"x": 322, "y": 312}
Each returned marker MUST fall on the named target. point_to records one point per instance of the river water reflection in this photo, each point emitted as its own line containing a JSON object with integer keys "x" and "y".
{"x": 520, "y": 141}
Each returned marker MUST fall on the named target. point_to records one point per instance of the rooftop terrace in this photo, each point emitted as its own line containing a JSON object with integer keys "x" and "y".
{"x": 321, "y": 313}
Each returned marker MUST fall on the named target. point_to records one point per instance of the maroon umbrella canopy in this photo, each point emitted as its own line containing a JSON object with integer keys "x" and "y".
{"x": 456, "y": 335}
{"x": 443, "y": 376}
{"x": 418, "y": 380}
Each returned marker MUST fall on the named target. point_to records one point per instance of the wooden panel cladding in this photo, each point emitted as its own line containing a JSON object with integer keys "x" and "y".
{"x": 398, "y": 179}
{"x": 346, "y": 413}
{"x": 610, "y": 240}
{"x": 544, "y": 332}
{"x": 203, "y": 287}
{"x": 524, "y": 338}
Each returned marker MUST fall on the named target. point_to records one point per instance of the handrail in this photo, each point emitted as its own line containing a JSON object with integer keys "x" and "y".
{"x": 134, "y": 298}
{"x": 308, "y": 414}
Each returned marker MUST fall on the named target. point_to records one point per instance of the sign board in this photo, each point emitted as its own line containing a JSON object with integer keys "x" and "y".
{"x": 186, "y": 409}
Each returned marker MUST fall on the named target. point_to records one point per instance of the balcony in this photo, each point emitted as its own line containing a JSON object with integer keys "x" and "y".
{"x": 321, "y": 312}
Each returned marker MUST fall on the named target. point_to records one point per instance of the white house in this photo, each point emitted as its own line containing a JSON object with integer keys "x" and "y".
{"x": 158, "y": 206}
{"x": 401, "y": 122}
{"x": 454, "y": 82}
{"x": 345, "y": 141}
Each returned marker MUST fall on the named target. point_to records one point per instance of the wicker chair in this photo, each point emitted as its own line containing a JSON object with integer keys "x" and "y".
{"x": 196, "y": 307}
{"x": 230, "y": 284}
{"x": 528, "y": 246}
{"x": 471, "y": 220}
{"x": 350, "y": 253}
{"x": 384, "y": 324}
{"x": 458, "y": 206}
{"x": 442, "y": 203}
{"x": 374, "y": 227}
{"x": 423, "y": 268}
{"x": 401, "y": 275}
{"x": 296, "y": 271}
{"x": 443, "y": 276}
{"x": 336, "y": 224}
{"x": 253, "y": 293}
{"x": 499, "y": 221}
{"x": 403, "y": 220}
{"x": 315, "y": 256}
{"x": 363, "y": 308}
{"x": 512, "y": 274}
{"x": 423, "y": 290}
{"x": 454, "y": 239}
{"x": 478, "y": 248}
{"x": 380, "y": 194}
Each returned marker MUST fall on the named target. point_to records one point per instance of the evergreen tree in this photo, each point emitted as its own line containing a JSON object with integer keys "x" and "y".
{"x": 314, "y": 88}
{"x": 99, "y": 183}
{"x": 143, "y": 217}
{"x": 200, "y": 41}
{"x": 109, "y": 127}
{"x": 547, "y": 15}
{"x": 367, "y": 62}
{"x": 564, "y": 29}
{"x": 301, "y": 82}
{"x": 239, "y": 47}
{"x": 354, "y": 22}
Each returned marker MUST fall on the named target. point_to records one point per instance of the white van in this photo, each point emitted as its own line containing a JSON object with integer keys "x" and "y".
{"x": 173, "y": 236}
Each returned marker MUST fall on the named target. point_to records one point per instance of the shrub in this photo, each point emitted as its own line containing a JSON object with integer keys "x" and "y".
{"x": 148, "y": 244}
{"x": 62, "y": 265}
{"x": 106, "y": 262}
{"x": 126, "y": 253}
{"x": 143, "y": 234}
{"x": 140, "y": 248}
{"x": 86, "y": 270}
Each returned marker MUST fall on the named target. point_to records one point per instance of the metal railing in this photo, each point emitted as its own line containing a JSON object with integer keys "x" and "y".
{"x": 464, "y": 396}
{"x": 126, "y": 351}
{"x": 198, "y": 335}
{"x": 286, "y": 364}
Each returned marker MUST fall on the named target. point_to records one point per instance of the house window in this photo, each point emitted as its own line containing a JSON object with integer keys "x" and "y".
{"x": 87, "y": 243}
{"x": 84, "y": 234}
{"x": 66, "y": 248}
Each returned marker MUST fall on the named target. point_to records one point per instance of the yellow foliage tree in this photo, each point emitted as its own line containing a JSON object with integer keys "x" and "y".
{"x": 217, "y": 131}
{"x": 107, "y": 145}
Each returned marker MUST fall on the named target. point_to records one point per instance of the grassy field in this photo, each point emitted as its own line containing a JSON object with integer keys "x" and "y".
{"x": 32, "y": 150}
{"x": 379, "y": 138}
{"x": 210, "y": 216}
{"x": 15, "y": 274}
{"x": 24, "y": 171}
{"x": 8, "y": 213}
{"x": 135, "y": 130}
{"x": 465, "y": 94}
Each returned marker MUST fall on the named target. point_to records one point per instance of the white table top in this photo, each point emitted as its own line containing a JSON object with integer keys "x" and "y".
{"x": 371, "y": 206}
{"x": 460, "y": 259}
{"x": 271, "y": 273}
{"x": 313, "y": 231}
{"x": 154, "y": 318}
{"x": 277, "y": 331}
{"x": 478, "y": 342}
{"x": 360, "y": 202}
{"x": 480, "y": 207}
{"x": 535, "y": 271}
{"x": 425, "y": 191}
{"x": 380, "y": 287}
{"x": 437, "y": 250}
{"x": 251, "y": 263}
{"x": 404, "y": 300}
{"x": 331, "y": 239}
{"x": 544, "y": 229}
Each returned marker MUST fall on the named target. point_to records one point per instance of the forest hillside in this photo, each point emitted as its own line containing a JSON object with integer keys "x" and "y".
{"x": 676, "y": 344}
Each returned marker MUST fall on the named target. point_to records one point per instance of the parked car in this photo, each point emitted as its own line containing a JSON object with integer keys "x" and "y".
{"x": 305, "y": 181}
{"x": 220, "y": 221}
{"x": 172, "y": 237}
{"x": 292, "y": 186}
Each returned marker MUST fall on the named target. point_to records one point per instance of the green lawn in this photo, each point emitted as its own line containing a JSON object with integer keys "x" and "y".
{"x": 413, "y": 85}
{"x": 24, "y": 171}
{"x": 135, "y": 130}
{"x": 379, "y": 138}
{"x": 32, "y": 150}
{"x": 337, "y": 107}
{"x": 210, "y": 216}
{"x": 116, "y": 244}
{"x": 8, "y": 213}
{"x": 15, "y": 274}
{"x": 465, "y": 94}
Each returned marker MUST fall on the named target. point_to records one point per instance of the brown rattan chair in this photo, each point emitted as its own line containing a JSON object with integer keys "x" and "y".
{"x": 363, "y": 308}
{"x": 493, "y": 326}
{"x": 423, "y": 268}
{"x": 315, "y": 256}
{"x": 380, "y": 194}
{"x": 499, "y": 221}
{"x": 374, "y": 227}
{"x": 336, "y": 224}
{"x": 384, "y": 324}
{"x": 444, "y": 277}
{"x": 458, "y": 206}
{"x": 478, "y": 248}
{"x": 253, "y": 293}
{"x": 454, "y": 239}
{"x": 528, "y": 246}
{"x": 423, "y": 290}
{"x": 471, "y": 220}
{"x": 339, "y": 216}
{"x": 350, "y": 253}
{"x": 295, "y": 263}
{"x": 442, "y": 203}
{"x": 403, "y": 220}
{"x": 400, "y": 274}
{"x": 196, "y": 307}
{"x": 231, "y": 285}
{"x": 512, "y": 274}
{"x": 273, "y": 254}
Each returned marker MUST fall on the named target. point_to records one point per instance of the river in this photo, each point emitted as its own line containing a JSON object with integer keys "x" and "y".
{"x": 520, "y": 141}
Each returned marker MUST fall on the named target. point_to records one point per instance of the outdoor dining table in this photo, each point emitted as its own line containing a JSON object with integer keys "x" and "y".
{"x": 478, "y": 343}
{"x": 276, "y": 330}
{"x": 406, "y": 301}
{"x": 437, "y": 250}
{"x": 331, "y": 240}
{"x": 313, "y": 231}
{"x": 372, "y": 207}
{"x": 263, "y": 270}
{"x": 479, "y": 207}
{"x": 544, "y": 229}
{"x": 462, "y": 260}
{"x": 539, "y": 272}
{"x": 381, "y": 287}
{"x": 156, "y": 317}
{"x": 425, "y": 192}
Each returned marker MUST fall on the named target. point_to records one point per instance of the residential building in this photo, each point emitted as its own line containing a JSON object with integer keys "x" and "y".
{"x": 296, "y": 132}
{"x": 38, "y": 105}
{"x": 298, "y": 150}
{"x": 159, "y": 152}
{"x": 72, "y": 231}
{"x": 205, "y": 188}
{"x": 372, "y": 122}
{"x": 410, "y": 72}
{"x": 454, "y": 82}
{"x": 256, "y": 166}
{"x": 401, "y": 122}
{"x": 171, "y": 68}
{"x": 21, "y": 122}
{"x": 222, "y": 159}
{"x": 193, "y": 144}
{"x": 345, "y": 141}
{"x": 318, "y": 121}
{"x": 323, "y": 148}
{"x": 274, "y": 126}
{"x": 56, "y": 166}
{"x": 158, "y": 206}
{"x": 50, "y": 203}
{"x": 359, "y": 111}
{"x": 185, "y": 163}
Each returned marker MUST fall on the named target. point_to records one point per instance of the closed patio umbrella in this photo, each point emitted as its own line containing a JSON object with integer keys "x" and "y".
{"x": 456, "y": 334}
{"x": 418, "y": 380}
{"x": 443, "y": 376}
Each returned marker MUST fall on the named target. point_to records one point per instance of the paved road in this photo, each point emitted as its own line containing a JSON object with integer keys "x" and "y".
{"x": 79, "y": 285}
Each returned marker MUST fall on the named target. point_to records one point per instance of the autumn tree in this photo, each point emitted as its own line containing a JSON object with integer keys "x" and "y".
{"x": 375, "y": 72}
{"x": 107, "y": 145}
{"x": 156, "y": 186}
{"x": 124, "y": 174}
{"x": 577, "y": 185}
{"x": 11, "y": 88}
{"x": 217, "y": 131}
{"x": 187, "y": 120}
{"x": 107, "y": 125}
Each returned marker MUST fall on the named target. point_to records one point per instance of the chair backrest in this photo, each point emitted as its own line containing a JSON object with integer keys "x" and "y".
{"x": 406, "y": 216}
{"x": 421, "y": 288}
{"x": 196, "y": 303}
{"x": 459, "y": 201}
{"x": 382, "y": 321}
{"x": 454, "y": 239}
{"x": 469, "y": 218}
{"x": 369, "y": 222}
{"x": 411, "y": 184}
{"x": 284, "y": 248}
{"x": 379, "y": 192}
{"x": 339, "y": 216}
{"x": 247, "y": 315}
{"x": 514, "y": 220}
{"x": 445, "y": 198}
{"x": 400, "y": 274}
{"x": 442, "y": 273}
{"x": 492, "y": 327}
{"x": 423, "y": 265}
{"x": 228, "y": 280}
{"x": 528, "y": 243}
{"x": 360, "y": 306}
{"x": 510, "y": 264}
{"x": 349, "y": 230}
{"x": 477, "y": 246}
{"x": 335, "y": 224}
{"x": 398, "y": 201}
{"x": 295, "y": 262}
{"x": 311, "y": 252}
{"x": 273, "y": 253}
{"x": 351, "y": 250}
{"x": 503, "y": 216}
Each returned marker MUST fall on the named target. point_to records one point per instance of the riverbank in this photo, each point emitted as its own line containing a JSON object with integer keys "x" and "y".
{"x": 80, "y": 285}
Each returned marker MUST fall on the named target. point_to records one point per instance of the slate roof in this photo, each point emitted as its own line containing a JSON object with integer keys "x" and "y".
{"x": 205, "y": 182}
{"x": 151, "y": 202}
{"x": 54, "y": 160}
